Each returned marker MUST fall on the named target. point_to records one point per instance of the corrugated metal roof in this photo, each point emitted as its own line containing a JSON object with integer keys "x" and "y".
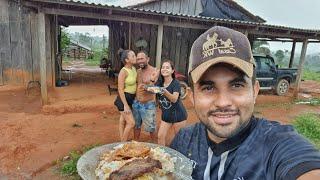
{"x": 108, "y": 4}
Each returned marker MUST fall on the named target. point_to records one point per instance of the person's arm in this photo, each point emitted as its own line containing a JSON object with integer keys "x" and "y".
{"x": 173, "y": 97}
{"x": 292, "y": 156}
{"x": 311, "y": 175}
{"x": 154, "y": 76}
{"x": 121, "y": 79}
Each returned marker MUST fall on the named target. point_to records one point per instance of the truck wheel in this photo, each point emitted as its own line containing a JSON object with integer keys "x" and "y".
{"x": 282, "y": 87}
{"x": 183, "y": 92}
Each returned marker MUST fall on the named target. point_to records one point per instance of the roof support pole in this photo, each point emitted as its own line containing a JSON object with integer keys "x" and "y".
{"x": 130, "y": 29}
{"x": 292, "y": 54}
{"x": 159, "y": 45}
{"x": 300, "y": 68}
{"x": 42, "y": 57}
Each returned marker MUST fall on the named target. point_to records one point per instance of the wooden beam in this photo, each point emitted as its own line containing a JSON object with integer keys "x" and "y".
{"x": 130, "y": 28}
{"x": 292, "y": 54}
{"x": 124, "y": 18}
{"x": 159, "y": 45}
{"x": 42, "y": 57}
{"x": 1, "y": 68}
{"x": 100, "y": 16}
{"x": 246, "y": 32}
{"x": 300, "y": 68}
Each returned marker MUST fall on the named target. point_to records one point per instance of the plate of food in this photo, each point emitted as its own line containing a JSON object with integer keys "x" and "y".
{"x": 134, "y": 160}
{"x": 153, "y": 89}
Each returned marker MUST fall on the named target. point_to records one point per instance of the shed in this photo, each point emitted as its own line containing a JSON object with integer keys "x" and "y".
{"x": 30, "y": 33}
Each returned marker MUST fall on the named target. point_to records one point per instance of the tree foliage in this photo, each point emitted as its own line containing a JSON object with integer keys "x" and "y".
{"x": 65, "y": 39}
{"x": 261, "y": 47}
{"x": 280, "y": 56}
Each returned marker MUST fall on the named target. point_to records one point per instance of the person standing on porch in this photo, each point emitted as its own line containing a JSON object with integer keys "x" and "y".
{"x": 144, "y": 106}
{"x": 127, "y": 85}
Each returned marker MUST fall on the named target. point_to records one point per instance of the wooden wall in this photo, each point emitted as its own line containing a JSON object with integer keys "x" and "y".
{"x": 176, "y": 43}
{"x": 176, "y": 46}
{"x": 191, "y": 7}
{"x": 19, "y": 52}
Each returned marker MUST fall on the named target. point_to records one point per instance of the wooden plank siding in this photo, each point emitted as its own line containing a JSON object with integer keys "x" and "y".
{"x": 190, "y": 7}
{"x": 176, "y": 43}
{"x": 5, "y": 48}
{"x": 19, "y": 45}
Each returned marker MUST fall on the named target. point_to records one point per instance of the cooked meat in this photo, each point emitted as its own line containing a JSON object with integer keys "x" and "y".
{"x": 135, "y": 169}
{"x": 129, "y": 151}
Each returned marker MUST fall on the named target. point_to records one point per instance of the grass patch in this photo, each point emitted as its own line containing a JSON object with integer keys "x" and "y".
{"x": 311, "y": 75}
{"x": 312, "y": 102}
{"x": 308, "y": 125}
{"x": 68, "y": 167}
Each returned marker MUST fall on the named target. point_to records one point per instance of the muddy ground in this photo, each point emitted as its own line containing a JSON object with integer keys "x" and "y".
{"x": 32, "y": 137}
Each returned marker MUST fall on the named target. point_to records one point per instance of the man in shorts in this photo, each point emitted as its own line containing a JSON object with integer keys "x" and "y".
{"x": 144, "y": 106}
{"x": 229, "y": 142}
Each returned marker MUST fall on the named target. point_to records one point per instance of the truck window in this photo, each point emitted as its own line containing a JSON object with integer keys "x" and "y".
{"x": 265, "y": 63}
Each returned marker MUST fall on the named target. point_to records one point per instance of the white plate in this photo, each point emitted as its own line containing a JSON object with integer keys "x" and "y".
{"x": 88, "y": 162}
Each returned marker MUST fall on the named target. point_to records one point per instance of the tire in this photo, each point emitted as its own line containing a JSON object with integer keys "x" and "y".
{"x": 184, "y": 89}
{"x": 282, "y": 87}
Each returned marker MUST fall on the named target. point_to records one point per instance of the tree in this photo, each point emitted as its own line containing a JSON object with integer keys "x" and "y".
{"x": 261, "y": 47}
{"x": 65, "y": 39}
{"x": 280, "y": 56}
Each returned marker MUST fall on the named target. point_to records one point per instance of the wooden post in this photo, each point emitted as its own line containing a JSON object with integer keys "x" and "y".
{"x": 130, "y": 28}
{"x": 246, "y": 32}
{"x": 159, "y": 45}
{"x": 1, "y": 68}
{"x": 292, "y": 53}
{"x": 300, "y": 68}
{"x": 42, "y": 57}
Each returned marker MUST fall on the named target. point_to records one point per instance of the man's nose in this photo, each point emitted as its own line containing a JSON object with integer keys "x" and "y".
{"x": 222, "y": 99}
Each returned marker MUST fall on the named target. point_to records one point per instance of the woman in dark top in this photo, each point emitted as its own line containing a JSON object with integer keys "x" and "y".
{"x": 174, "y": 113}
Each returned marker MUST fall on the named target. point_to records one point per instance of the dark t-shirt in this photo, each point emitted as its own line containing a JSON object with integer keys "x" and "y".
{"x": 172, "y": 112}
{"x": 263, "y": 150}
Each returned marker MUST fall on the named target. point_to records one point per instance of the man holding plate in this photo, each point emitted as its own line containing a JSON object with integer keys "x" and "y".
{"x": 229, "y": 142}
{"x": 144, "y": 106}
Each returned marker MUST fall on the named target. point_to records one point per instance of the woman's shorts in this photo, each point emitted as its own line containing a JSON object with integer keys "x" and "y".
{"x": 129, "y": 97}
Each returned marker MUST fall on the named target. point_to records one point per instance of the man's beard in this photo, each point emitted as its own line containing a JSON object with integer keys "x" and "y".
{"x": 142, "y": 65}
{"x": 211, "y": 127}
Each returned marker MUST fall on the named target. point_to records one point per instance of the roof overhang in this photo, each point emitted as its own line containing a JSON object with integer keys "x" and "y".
{"x": 77, "y": 13}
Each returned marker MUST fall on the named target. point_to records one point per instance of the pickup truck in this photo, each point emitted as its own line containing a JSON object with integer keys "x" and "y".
{"x": 271, "y": 77}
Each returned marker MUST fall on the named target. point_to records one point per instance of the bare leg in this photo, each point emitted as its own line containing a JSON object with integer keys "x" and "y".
{"x": 128, "y": 127}
{"x": 162, "y": 134}
{"x": 177, "y": 126}
{"x": 153, "y": 136}
{"x": 122, "y": 124}
{"x": 136, "y": 133}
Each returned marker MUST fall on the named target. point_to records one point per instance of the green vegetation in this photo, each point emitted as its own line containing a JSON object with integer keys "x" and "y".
{"x": 312, "y": 102}
{"x": 311, "y": 75}
{"x": 65, "y": 39}
{"x": 68, "y": 167}
{"x": 95, "y": 59}
{"x": 308, "y": 125}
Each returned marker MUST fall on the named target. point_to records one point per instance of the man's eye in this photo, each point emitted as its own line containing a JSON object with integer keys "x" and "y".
{"x": 237, "y": 85}
{"x": 207, "y": 88}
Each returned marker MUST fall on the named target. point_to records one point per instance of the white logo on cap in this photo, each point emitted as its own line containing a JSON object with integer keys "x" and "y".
{"x": 224, "y": 47}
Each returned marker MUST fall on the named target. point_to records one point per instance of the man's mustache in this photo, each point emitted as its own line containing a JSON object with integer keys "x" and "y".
{"x": 224, "y": 110}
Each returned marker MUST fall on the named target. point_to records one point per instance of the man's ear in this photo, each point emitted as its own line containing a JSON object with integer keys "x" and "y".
{"x": 191, "y": 97}
{"x": 256, "y": 89}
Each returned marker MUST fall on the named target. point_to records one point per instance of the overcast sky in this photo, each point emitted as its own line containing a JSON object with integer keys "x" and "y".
{"x": 293, "y": 13}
